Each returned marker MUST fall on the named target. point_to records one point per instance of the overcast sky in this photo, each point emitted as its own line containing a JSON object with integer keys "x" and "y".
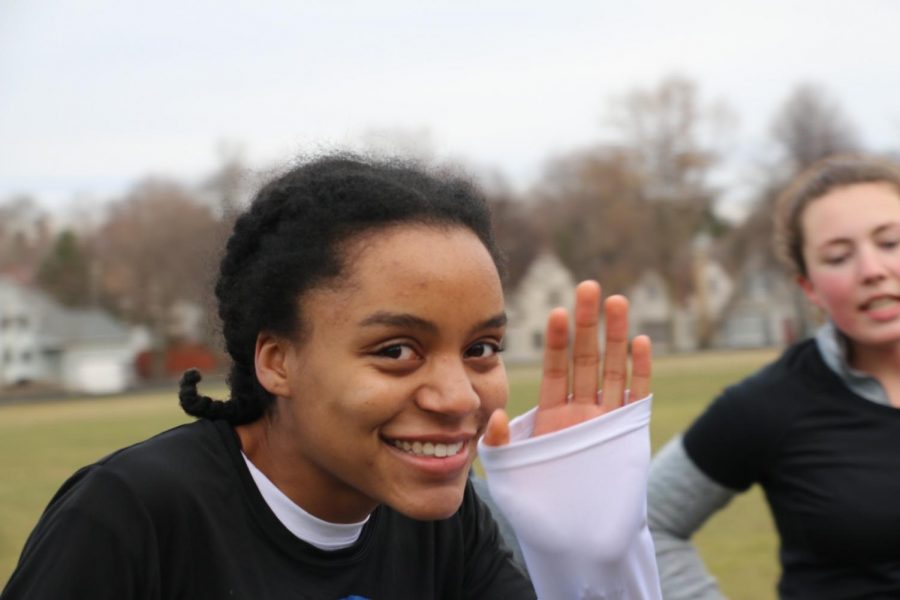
{"x": 96, "y": 94}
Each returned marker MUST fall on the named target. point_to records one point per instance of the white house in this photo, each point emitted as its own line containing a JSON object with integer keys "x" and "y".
{"x": 674, "y": 326}
{"x": 765, "y": 310}
{"x": 652, "y": 312}
{"x": 82, "y": 351}
{"x": 546, "y": 284}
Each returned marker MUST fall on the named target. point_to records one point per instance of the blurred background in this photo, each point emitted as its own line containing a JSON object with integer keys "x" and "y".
{"x": 640, "y": 143}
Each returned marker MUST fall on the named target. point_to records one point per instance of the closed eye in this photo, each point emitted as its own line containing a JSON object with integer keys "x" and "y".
{"x": 834, "y": 260}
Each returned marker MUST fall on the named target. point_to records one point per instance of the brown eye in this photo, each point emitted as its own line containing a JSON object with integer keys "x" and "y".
{"x": 483, "y": 350}
{"x": 397, "y": 352}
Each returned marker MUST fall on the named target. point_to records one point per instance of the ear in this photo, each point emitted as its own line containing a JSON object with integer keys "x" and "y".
{"x": 809, "y": 290}
{"x": 271, "y": 366}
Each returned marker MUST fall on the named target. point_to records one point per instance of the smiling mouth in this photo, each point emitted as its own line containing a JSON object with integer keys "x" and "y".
{"x": 881, "y": 302}
{"x": 428, "y": 448}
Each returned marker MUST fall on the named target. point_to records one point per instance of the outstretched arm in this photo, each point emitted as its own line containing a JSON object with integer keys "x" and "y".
{"x": 571, "y": 475}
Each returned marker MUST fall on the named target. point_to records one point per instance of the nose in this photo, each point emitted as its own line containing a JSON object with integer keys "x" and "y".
{"x": 449, "y": 389}
{"x": 871, "y": 266}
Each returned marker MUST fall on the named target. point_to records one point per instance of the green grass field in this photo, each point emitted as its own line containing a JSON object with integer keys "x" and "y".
{"x": 43, "y": 443}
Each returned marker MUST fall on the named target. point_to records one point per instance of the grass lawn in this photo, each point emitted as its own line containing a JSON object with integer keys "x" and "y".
{"x": 42, "y": 443}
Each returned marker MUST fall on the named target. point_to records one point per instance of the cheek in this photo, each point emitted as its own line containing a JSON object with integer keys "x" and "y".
{"x": 835, "y": 292}
{"x": 493, "y": 391}
{"x": 345, "y": 398}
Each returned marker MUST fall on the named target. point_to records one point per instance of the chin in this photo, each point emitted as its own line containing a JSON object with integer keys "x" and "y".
{"x": 432, "y": 505}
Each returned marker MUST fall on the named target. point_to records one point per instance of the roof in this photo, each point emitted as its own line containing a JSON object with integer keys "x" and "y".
{"x": 62, "y": 326}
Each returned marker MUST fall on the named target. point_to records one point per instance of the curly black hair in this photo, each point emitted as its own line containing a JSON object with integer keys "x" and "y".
{"x": 290, "y": 241}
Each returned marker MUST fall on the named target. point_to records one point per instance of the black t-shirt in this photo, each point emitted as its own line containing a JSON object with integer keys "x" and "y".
{"x": 179, "y": 516}
{"x": 829, "y": 462}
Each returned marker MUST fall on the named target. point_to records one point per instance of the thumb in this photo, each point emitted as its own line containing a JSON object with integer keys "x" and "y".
{"x": 497, "y": 433}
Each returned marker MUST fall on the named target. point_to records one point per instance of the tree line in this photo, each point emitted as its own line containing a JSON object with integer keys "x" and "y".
{"x": 633, "y": 202}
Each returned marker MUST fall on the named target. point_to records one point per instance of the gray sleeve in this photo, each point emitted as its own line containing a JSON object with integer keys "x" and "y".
{"x": 680, "y": 499}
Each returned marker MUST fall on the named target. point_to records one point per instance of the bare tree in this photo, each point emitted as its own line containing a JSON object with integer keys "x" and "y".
{"x": 674, "y": 139}
{"x": 228, "y": 183}
{"x": 24, "y": 235}
{"x": 811, "y": 125}
{"x": 155, "y": 249}
{"x": 517, "y": 231}
{"x": 593, "y": 213}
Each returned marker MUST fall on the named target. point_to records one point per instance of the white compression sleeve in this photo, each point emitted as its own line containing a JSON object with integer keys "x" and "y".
{"x": 577, "y": 501}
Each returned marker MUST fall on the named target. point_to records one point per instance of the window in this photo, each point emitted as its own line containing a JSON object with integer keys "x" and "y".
{"x": 26, "y": 356}
{"x": 537, "y": 340}
{"x": 554, "y": 298}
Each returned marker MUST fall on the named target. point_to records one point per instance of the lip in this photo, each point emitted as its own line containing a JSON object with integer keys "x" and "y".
{"x": 888, "y": 312}
{"x": 443, "y": 467}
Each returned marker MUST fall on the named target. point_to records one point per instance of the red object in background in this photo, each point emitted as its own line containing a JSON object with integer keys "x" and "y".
{"x": 175, "y": 361}
{"x": 189, "y": 356}
{"x": 143, "y": 364}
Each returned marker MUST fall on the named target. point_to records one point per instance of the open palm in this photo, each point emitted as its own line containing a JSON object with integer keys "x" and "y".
{"x": 558, "y": 408}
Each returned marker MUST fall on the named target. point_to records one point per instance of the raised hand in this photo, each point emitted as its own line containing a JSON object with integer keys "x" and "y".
{"x": 557, "y": 407}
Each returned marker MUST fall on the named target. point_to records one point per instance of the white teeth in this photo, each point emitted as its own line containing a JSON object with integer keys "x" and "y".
{"x": 429, "y": 449}
{"x": 880, "y": 303}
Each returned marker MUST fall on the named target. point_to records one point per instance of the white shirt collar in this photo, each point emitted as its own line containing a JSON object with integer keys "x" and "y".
{"x": 310, "y": 529}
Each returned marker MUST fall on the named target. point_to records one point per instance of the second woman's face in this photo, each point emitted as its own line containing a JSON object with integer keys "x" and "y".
{"x": 397, "y": 374}
{"x": 852, "y": 253}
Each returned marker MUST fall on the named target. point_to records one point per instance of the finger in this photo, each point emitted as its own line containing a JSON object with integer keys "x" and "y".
{"x": 615, "y": 362}
{"x": 497, "y": 432}
{"x": 586, "y": 349}
{"x": 555, "y": 378}
{"x": 641, "y": 352}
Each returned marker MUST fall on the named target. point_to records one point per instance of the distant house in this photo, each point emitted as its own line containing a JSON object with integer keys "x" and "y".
{"x": 652, "y": 312}
{"x": 546, "y": 284}
{"x": 78, "y": 350}
{"x": 765, "y": 310}
{"x": 675, "y": 326}
{"x": 758, "y": 306}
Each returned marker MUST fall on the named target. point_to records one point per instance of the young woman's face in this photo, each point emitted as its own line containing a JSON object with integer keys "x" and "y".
{"x": 397, "y": 374}
{"x": 852, "y": 253}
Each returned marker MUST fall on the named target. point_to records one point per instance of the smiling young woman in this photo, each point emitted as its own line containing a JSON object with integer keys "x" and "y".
{"x": 362, "y": 307}
{"x": 819, "y": 429}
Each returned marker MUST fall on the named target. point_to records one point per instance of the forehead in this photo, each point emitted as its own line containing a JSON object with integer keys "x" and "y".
{"x": 851, "y": 209}
{"x": 425, "y": 270}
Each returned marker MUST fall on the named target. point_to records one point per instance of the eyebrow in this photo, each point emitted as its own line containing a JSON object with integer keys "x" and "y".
{"x": 385, "y": 318}
{"x": 848, "y": 241}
